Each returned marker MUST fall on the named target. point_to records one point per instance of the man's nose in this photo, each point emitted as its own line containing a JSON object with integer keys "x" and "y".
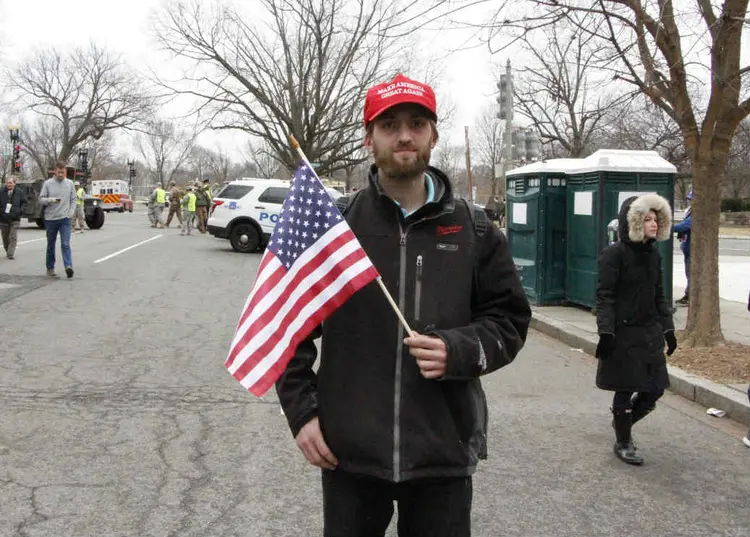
{"x": 404, "y": 133}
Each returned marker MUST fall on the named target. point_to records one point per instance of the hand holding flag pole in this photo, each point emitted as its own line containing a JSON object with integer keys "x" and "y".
{"x": 379, "y": 279}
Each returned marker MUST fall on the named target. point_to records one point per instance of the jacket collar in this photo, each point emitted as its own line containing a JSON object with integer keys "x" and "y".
{"x": 443, "y": 191}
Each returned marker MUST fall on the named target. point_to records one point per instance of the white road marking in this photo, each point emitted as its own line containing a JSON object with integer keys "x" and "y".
{"x": 33, "y": 240}
{"x": 110, "y": 256}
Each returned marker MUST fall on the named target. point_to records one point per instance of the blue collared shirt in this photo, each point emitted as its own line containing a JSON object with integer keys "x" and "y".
{"x": 429, "y": 183}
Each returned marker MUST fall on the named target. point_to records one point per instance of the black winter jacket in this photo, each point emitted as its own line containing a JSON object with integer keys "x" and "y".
{"x": 630, "y": 302}
{"x": 378, "y": 415}
{"x": 17, "y": 201}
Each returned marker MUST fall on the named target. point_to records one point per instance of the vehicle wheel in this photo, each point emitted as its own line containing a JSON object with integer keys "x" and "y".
{"x": 130, "y": 209}
{"x": 244, "y": 238}
{"x": 121, "y": 210}
{"x": 96, "y": 220}
{"x": 40, "y": 223}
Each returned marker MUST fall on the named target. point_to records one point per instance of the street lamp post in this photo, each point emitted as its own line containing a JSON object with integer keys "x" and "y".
{"x": 131, "y": 178}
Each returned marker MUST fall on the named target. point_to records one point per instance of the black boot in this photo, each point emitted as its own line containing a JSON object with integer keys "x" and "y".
{"x": 623, "y": 448}
{"x": 684, "y": 301}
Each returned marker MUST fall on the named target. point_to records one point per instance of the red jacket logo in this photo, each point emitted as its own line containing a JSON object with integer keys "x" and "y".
{"x": 448, "y": 230}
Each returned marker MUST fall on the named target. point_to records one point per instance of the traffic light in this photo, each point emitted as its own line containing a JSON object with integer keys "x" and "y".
{"x": 83, "y": 161}
{"x": 505, "y": 98}
{"x": 16, "y": 161}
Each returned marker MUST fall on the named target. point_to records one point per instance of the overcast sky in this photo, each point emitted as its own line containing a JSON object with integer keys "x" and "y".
{"x": 124, "y": 26}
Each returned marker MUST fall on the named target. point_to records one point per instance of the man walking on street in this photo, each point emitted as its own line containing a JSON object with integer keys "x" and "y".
{"x": 12, "y": 202}
{"x": 58, "y": 196}
{"x": 392, "y": 417}
{"x": 175, "y": 197}
{"x": 201, "y": 206}
{"x": 79, "y": 217}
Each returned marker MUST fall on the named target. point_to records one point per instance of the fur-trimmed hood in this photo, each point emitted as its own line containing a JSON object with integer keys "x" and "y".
{"x": 633, "y": 211}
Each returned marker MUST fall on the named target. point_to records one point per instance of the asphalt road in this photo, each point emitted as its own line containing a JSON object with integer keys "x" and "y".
{"x": 733, "y": 247}
{"x": 119, "y": 419}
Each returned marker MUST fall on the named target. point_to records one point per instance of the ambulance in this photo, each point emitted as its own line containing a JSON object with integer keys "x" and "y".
{"x": 114, "y": 193}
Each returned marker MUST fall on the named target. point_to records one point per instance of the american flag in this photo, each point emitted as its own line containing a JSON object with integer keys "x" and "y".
{"x": 312, "y": 265}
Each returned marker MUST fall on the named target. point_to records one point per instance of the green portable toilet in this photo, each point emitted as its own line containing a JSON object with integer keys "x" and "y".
{"x": 596, "y": 190}
{"x": 535, "y": 216}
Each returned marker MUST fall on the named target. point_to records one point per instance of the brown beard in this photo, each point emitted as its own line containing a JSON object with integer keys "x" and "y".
{"x": 388, "y": 166}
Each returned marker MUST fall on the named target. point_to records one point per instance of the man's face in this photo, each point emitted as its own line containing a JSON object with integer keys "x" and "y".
{"x": 401, "y": 141}
{"x": 60, "y": 174}
{"x": 10, "y": 184}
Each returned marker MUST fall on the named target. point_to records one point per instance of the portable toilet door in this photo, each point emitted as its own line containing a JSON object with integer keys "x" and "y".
{"x": 596, "y": 192}
{"x": 536, "y": 228}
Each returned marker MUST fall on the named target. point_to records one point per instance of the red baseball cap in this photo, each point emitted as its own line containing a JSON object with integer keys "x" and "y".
{"x": 398, "y": 91}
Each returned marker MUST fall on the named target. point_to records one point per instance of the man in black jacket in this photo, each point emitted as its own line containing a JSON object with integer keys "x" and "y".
{"x": 390, "y": 416}
{"x": 12, "y": 203}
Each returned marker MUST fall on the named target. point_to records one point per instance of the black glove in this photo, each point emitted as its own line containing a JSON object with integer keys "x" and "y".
{"x": 671, "y": 342}
{"x": 606, "y": 346}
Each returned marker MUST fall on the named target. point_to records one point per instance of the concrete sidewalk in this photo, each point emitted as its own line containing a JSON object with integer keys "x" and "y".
{"x": 577, "y": 327}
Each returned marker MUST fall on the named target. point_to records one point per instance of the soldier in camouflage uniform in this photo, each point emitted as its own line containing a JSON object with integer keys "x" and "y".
{"x": 175, "y": 196}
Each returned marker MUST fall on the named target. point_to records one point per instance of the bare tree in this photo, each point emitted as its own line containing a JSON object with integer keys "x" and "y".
{"x": 450, "y": 159}
{"x": 42, "y": 141}
{"x": 219, "y": 165}
{"x": 640, "y": 125}
{"x": 737, "y": 179}
{"x": 75, "y": 97}
{"x": 165, "y": 148}
{"x": 670, "y": 56}
{"x": 562, "y": 94}
{"x": 488, "y": 136}
{"x": 305, "y": 75}
{"x": 263, "y": 159}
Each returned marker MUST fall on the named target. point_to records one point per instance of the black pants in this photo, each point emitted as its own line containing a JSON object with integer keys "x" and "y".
{"x": 624, "y": 400}
{"x": 359, "y": 506}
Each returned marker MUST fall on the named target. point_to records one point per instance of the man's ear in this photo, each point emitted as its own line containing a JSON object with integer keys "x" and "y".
{"x": 367, "y": 142}
{"x": 435, "y": 136}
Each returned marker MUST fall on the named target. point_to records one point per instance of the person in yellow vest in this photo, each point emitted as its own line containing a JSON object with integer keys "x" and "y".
{"x": 160, "y": 200}
{"x": 78, "y": 216}
{"x": 207, "y": 188}
{"x": 188, "y": 211}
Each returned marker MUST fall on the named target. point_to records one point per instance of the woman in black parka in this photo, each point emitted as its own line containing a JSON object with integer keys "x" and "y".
{"x": 633, "y": 318}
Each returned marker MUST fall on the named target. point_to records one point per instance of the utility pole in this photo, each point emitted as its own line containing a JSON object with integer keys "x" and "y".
{"x": 131, "y": 178}
{"x": 83, "y": 165}
{"x": 468, "y": 165}
{"x": 505, "y": 100}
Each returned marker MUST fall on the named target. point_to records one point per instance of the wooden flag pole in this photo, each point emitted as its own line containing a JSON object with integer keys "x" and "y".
{"x": 295, "y": 145}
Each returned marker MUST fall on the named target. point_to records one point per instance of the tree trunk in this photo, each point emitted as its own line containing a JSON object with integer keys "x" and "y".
{"x": 704, "y": 315}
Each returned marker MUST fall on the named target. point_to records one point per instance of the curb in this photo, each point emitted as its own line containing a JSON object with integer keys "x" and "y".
{"x": 691, "y": 387}
{"x": 734, "y": 237}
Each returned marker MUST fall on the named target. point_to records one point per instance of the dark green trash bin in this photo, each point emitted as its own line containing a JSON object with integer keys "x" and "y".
{"x": 535, "y": 216}
{"x": 596, "y": 189}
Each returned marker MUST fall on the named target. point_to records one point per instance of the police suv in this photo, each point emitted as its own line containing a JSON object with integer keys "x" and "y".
{"x": 245, "y": 211}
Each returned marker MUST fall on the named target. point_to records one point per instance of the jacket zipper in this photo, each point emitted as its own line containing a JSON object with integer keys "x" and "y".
{"x": 400, "y": 346}
{"x": 418, "y": 289}
{"x": 400, "y": 351}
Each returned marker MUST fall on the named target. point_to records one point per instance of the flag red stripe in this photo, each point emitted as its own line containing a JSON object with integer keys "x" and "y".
{"x": 326, "y": 309}
{"x": 265, "y": 287}
{"x": 311, "y": 294}
{"x": 310, "y": 266}
{"x": 258, "y": 293}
